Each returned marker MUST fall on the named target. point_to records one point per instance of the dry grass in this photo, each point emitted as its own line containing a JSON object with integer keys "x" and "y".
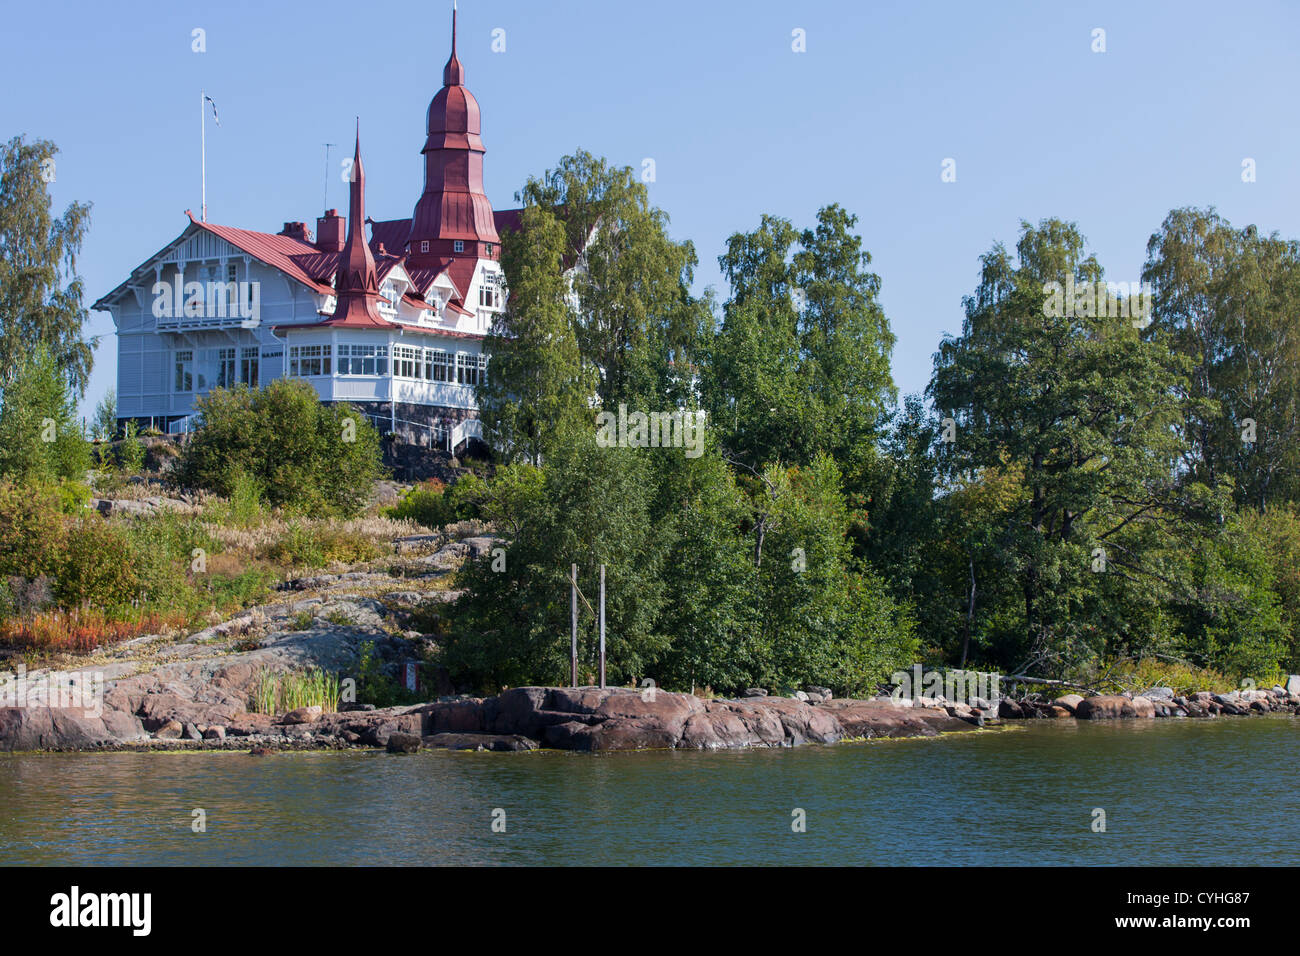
{"x": 261, "y": 537}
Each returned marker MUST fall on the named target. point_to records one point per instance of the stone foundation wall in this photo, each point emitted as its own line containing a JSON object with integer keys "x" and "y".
{"x": 413, "y": 451}
{"x": 415, "y": 423}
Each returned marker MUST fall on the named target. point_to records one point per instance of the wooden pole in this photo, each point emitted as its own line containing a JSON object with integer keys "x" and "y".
{"x": 602, "y": 626}
{"x": 573, "y": 647}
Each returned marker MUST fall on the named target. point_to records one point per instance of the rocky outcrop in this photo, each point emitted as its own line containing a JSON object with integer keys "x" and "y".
{"x": 213, "y": 716}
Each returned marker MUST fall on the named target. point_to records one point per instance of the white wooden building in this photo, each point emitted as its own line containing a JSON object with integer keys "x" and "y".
{"x": 393, "y": 322}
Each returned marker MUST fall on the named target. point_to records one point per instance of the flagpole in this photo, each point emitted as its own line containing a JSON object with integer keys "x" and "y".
{"x": 203, "y": 139}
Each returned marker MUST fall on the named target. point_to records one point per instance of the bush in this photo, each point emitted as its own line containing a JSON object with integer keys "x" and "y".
{"x": 426, "y": 504}
{"x": 315, "y": 546}
{"x": 31, "y": 532}
{"x": 130, "y": 451}
{"x": 304, "y": 456}
{"x": 96, "y": 566}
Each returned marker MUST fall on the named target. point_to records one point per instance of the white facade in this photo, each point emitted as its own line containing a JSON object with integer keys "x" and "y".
{"x": 175, "y": 346}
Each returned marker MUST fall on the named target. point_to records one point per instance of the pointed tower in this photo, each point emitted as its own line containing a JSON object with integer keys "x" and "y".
{"x": 453, "y": 207}
{"x": 356, "y": 284}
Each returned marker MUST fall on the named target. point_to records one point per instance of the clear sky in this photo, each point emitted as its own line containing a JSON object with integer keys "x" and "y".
{"x": 737, "y": 123}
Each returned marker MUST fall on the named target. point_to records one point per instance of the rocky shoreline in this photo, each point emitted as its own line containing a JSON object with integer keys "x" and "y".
{"x": 585, "y": 719}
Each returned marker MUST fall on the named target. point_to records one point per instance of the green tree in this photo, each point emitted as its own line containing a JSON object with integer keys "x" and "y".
{"x": 800, "y": 362}
{"x": 708, "y": 574}
{"x": 40, "y": 437}
{"x": 637, "y": 320}
{"x": 512, "y": 625}
{"x": 1086, "y": 410}
{"x": 40, "y": 291}
{"x": 822, "y": 618}
{"x": 105, "y": 422}
{"x": 537, "y": 387}
{"x": 1227, "y": 299}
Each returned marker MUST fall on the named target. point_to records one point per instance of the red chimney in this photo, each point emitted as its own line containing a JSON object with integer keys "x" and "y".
{"x": 331, "y": 232}
{"x": 296, "y": 230}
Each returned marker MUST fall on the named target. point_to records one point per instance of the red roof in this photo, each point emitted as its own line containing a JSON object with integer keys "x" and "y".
{"x": 453, "y": 205}
{"x": 297, "y": 259}
{"x": 357, "y": 281}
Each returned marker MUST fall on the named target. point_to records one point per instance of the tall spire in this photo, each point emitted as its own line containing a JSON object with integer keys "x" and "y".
{"x": 453, "y": 207}
{"x": 453, "y": 74}
{"x": 356, "y": 283}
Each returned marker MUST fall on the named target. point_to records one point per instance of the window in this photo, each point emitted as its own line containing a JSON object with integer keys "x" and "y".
{"x": 389, "y": 301}
{"x": 185, "y": 371}
{"x": 424, "y": 245}
{"x": 363, "y": 359}
{"x": 305, "y": 360}
{"x": 232, "y": 290}
{"x": 225, "y": 368}
{"x": 442, "y": 367}
{"x": 487, "y": 293}
{"x": 487, "y": 248}
{"x": 248, "y": 367}
{"x": 458, "y": 245}
{"x": 471, "y": 369}
{"x": 405, "y": 361}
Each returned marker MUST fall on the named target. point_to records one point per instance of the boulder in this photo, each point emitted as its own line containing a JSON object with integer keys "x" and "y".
{"x": 1231, "y": 704}
{"x": 1113, "y": 707}
{"x": 215, "y": 733}
{"x": 1070, "y": 702}
{"x": 1293, "y": 685}
{"x": 454, "y": 717}
{"x": 171, "y": 730}
{"x": 514, "y": 711}
{"x": 755, "y": 692}
{"x": 302, "y": 715}
{"x": 619, "y": 733}
{"x": 400, "y": 743}
{"x": 48, "y": 728}
{"x": 1008, "y": 709}
{"x": 1158, "y": 693}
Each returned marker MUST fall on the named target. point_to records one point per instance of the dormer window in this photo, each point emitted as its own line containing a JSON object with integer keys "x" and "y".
{"x": 424, "y": 245}
{"x": 458, "y": 245}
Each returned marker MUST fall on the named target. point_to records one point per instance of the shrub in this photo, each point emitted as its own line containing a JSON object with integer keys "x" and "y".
{"x": 31, "y": 531}
{"x": 82, "y": 630}
{"x": 315, "y": 546}
{"x": 304, "y": 456}
{"x": 130, "y": 451}
{"x": 96, "y": 567}
{"x": 427, "y": 504}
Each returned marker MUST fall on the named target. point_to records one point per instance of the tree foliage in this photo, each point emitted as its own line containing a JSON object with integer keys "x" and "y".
{"x": 800, "y": 362}
{"x": 302, "y": 454}
{"x": 40, "y": 291}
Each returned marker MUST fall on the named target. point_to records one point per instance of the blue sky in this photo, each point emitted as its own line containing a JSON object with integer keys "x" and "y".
{"x": 738, "y": 124}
